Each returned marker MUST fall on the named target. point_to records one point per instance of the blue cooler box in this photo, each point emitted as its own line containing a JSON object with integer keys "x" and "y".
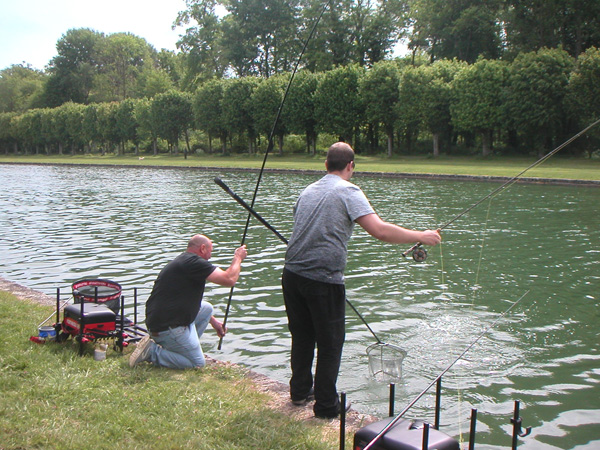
{"x": 404, "y": 435}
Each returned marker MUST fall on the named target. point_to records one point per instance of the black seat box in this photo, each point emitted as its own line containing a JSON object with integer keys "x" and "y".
{"x": 95, "y": 315}
{"x": 404, "y": 435}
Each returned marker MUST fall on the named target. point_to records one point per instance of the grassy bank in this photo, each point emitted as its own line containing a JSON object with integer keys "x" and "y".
{"x": 51, "y": 398}
{"x": 557, "y": 167}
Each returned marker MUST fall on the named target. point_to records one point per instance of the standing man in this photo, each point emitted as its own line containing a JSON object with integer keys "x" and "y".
{"x": 176, "y": 316}
{"x": 313, "y": 275}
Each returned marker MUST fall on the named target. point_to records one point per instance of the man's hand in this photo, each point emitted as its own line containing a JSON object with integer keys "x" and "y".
{"x": 218, "y": 326}
{"x": 431, "y": 237}
{"x": 241, "y": 252}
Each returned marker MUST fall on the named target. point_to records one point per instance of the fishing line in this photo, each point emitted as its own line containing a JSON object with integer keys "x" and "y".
{"x": 282, "y": 238}
{"x": 269, "y": 148}
{"x": 418, "y": 397}
{"x": 483, "y": 237}
{"x": 420, "y": 254}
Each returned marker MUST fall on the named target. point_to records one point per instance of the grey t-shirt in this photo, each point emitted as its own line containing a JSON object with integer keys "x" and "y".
{"x": 324, "y": 216}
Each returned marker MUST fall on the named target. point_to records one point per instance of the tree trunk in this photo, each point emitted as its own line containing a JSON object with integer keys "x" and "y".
{"x": 436, "y": 144}
{"x": 390, "y": 143}
{"x": 486, "y": 137}
{"x": 187, "y": 145}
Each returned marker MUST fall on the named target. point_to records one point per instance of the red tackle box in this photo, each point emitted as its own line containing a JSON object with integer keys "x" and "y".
{"x": 97, "y": 319}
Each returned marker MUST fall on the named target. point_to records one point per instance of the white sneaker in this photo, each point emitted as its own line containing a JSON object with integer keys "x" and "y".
{"x": 141, "y": 352}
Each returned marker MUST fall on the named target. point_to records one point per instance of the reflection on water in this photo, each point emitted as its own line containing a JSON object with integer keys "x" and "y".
{"x": 60, "y": 224}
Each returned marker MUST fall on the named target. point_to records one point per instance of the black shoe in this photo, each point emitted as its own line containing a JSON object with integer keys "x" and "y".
{"x": 303, "y": 401}
{"x": 333, "y": 416}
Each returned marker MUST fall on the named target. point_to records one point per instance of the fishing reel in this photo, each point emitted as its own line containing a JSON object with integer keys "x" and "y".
{"x": 418, "y": 253}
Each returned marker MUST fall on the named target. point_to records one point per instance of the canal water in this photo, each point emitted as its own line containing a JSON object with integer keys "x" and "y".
{"x": 540, "y": 243}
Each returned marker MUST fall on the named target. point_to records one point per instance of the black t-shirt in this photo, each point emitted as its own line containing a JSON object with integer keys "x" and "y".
{"x": 177, "y": 293}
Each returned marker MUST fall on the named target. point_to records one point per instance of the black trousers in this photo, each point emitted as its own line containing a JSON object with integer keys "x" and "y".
{"x": 316, "y": 317}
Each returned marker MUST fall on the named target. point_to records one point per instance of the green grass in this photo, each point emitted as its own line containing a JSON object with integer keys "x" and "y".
{"x": 51, "y": 398}
{"x": 556, "y": 167}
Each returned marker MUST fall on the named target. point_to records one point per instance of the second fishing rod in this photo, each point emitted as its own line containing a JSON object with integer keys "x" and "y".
{"x": 258, "y": 217}
{"x": 419, "y": 254}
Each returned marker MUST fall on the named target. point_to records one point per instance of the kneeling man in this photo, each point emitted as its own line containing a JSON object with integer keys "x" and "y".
{"x": 176, "y": 316}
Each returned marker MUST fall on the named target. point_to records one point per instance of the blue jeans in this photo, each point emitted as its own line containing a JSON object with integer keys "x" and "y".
{"x": 179, "y": 347}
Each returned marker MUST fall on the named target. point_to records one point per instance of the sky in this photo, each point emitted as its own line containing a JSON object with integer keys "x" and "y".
{"x": 30, "y": 29}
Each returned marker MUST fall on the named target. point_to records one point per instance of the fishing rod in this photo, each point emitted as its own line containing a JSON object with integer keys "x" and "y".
{"x": 419, "y": 254}
{"x": 418, "y": 397}
{"x": 270, "y": 147}
{"x": 282, "y": 238}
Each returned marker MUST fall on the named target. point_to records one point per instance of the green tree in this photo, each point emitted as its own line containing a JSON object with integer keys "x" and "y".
{"x": 359, "y": 32}
{"x": 338, "y": 106}
{"x": 201, "y": 43}
{"x": 265, "y": 101}
{"x": 173, "y": 116}
{"x": 379, "y": 91}
{"x": 584, "y": 85}
{"x": 537, "y": 87}
{"x": 73, "y": 70}
{"x": 299, "y": 109}
{"x": 147, "y": 125}
{"x": 89, "y": 128}
{"x": 375, "y": 27}
{"x": 47, "y": 129}
{"x": 332, "y": 43}
{"x": 152, "y": 81}
{"x": 6, "y": 135}
{"x": 107, "y": 126}
{"x": 531, "y": 25}
{"x": 124, "y": 58}
{"x": 208, "y": 111}
{"x": 60, "y": 126}
{"x": 425, "y": 98}
{"x": 437, "y": 101}
{"x": 237, "y": 108}
{"x": 258, "y": 35}
{"x": 35, "y": 129}
{"x": 463, "y": 29}
{"x": 410, "y": 105}
{"x": 19, "y": 128}
{"x": 74, "y": 125}
{"x": 478, "y": 99}
{"x": 127, "y": 125}
{"x": 21, "y": 88}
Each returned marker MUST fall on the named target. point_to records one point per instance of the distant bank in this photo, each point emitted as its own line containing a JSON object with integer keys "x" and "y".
{"x": 364, "y": 173}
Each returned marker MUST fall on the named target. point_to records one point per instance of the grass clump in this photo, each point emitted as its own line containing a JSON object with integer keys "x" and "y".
{"x": 51, "y": 398}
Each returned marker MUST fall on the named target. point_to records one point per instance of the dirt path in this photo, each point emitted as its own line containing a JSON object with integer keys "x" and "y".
{"x": 278, "y": 391}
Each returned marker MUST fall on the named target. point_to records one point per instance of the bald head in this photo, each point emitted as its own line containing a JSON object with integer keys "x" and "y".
{"x": 200, "y": 245}
{"x": 338, "y": 157}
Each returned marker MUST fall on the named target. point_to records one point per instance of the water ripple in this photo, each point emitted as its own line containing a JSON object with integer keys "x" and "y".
{"x": 60, "y": 224}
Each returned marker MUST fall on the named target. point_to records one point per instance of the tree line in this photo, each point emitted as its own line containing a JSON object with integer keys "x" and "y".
{"x": 526, "y": 106}
{"x": 235, "y": 38}
{"x": 501, "y": 73}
